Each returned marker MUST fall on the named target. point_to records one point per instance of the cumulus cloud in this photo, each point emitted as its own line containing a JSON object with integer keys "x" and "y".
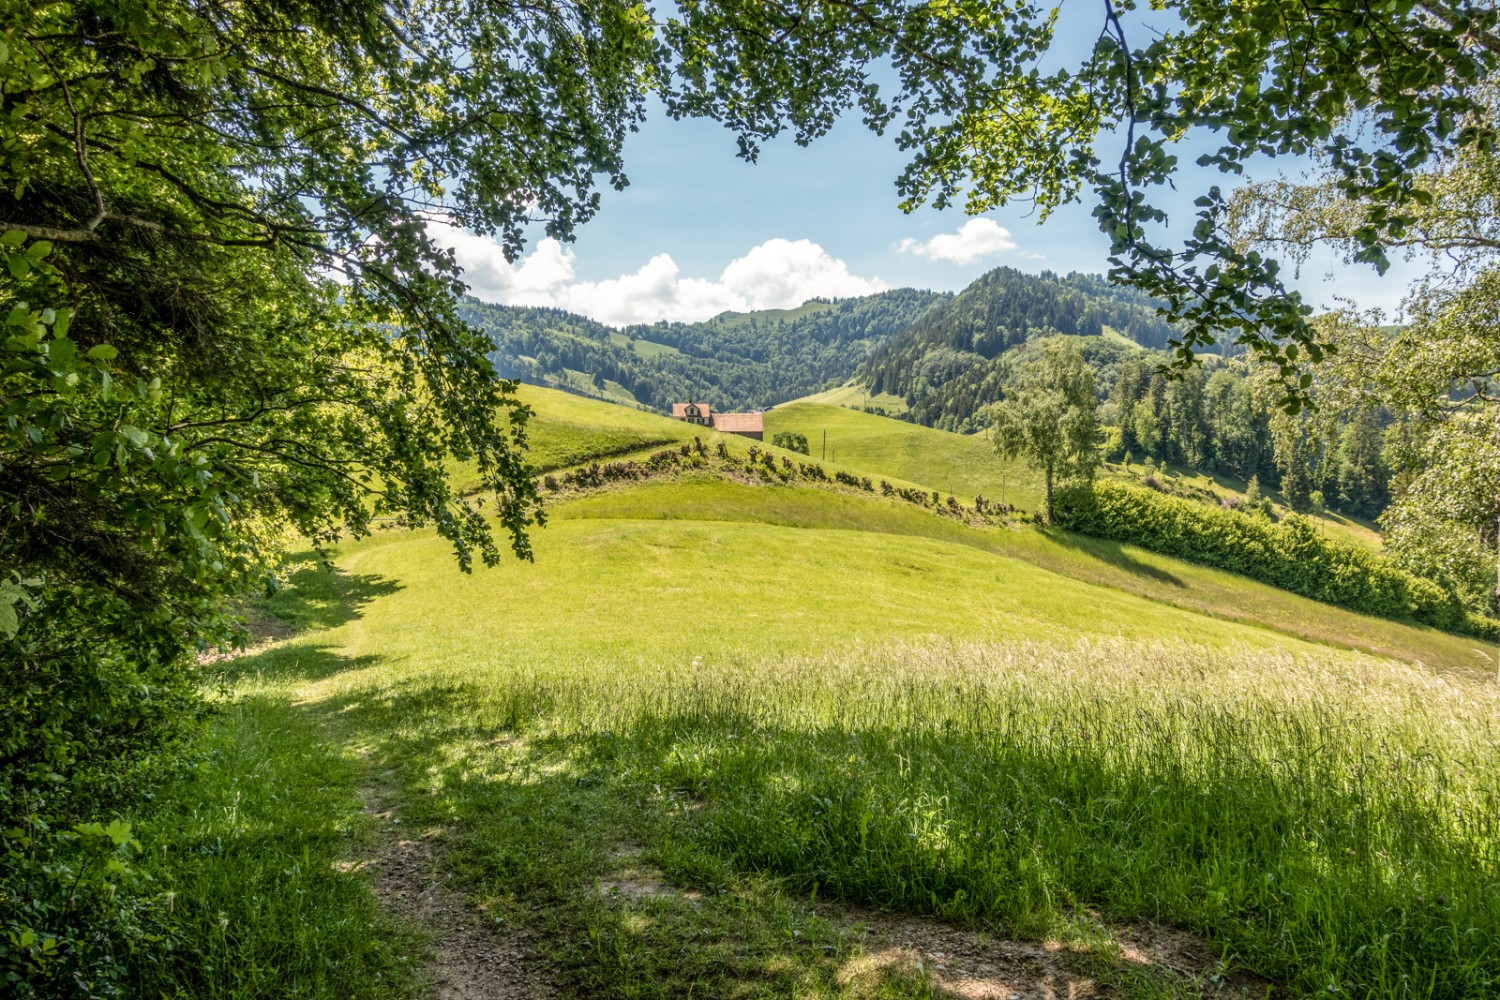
{"x": 777, "y": 274}
{"x": 974, "y": 239}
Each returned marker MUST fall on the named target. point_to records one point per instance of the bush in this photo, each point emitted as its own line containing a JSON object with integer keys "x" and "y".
{"x": 1289, "y": 555}
{"x": 791, "y": 441}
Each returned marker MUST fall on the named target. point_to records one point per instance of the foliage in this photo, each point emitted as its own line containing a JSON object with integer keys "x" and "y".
{"x": 1437, "y": 373}
{"x": 953, "y": 361}
{"x": 225, "y": 324}
{"x": 1217, "y": 416}
{"x": 1049, "y": 418}
{"x": 1289, "y": 555}
{"x": 791, "y": 441}
{"x": 992, "y": 117}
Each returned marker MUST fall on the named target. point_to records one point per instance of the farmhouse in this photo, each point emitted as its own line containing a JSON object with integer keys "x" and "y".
{"x": 750, "y": 425}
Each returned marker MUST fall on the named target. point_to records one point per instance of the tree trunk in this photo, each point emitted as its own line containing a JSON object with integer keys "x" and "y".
{"x": 1051, "y": 514}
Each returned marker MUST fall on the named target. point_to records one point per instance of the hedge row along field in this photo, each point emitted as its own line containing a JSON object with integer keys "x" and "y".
{"x": 1289, "y": 555}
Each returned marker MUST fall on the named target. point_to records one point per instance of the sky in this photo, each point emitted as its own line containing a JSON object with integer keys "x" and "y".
{"x": 699, "y": 231}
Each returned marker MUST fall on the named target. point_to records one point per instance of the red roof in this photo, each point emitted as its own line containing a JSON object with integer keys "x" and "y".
{"x": 739, "y": 423}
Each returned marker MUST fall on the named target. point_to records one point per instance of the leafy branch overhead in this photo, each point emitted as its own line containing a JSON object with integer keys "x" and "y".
{"x": 1384, "y": 89}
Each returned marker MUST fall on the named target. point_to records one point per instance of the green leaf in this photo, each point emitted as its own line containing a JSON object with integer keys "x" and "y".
{"x": 103, "y": 352}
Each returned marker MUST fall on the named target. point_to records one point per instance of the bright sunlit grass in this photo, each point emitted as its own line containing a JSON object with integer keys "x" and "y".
{"x": 769, "y": 695}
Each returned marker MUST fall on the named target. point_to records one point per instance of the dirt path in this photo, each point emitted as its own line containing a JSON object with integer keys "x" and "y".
{"x": 974, "y": 966}
{"x": 968, "y": 965}
{"x": 474, "y": 960}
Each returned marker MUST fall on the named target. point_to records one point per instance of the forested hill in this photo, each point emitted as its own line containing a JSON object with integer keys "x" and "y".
{"x": 734, "y": 361}
{"x": 948, "y": 363}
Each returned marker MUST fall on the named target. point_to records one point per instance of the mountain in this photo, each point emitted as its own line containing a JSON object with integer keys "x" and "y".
{"x": 733, "y": 361}
{"x": 952, "y": 361}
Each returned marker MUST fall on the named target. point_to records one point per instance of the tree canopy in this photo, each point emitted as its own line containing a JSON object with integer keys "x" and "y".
{"x": 1386, "y": 88}
{"x": 227, "y": 331}
{"x": 1049, "y": 417}
{"x": 1439, "y": 370}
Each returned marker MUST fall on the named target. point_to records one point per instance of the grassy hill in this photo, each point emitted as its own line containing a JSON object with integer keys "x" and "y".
{"x": 966, "y": 464}
{"x": 726, "y": 738}
{"x": 954, "y": 463}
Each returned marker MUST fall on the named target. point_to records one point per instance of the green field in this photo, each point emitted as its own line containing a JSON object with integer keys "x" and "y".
{"x": 856, "y": 397}
{"x": 725, "y": 738}
{"x": 567, "y": 430}
{"x": 954, "y": 463}
{"x": 645, "y": 348}
{"x": 964, "y": 464}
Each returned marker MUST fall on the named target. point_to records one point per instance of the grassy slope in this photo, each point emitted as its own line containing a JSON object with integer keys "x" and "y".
{"x": 855, "y": 396}
{"x": 954, "y": 463}
{"x": 645, "y": 348}
{"x": 1093, "y": 563}
{"x": 771, "y": 689}
{"x": 660, "y": 576}
{"x": 960, "y": 463}
{"x": 771, "y": 710}
{"x": 569, "y": 430}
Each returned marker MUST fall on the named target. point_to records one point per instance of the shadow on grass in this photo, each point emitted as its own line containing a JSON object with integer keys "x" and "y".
{"x": 743, "y": 831}
{"x": 535, "y": 832}
{"x": 301, "y": 662}
{"x": 1111, "y": 552}
{"x": 320, "y": 596}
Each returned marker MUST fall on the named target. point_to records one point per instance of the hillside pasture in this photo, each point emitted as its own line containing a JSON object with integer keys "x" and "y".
{"x": 967, "y": 465}
{"x": 685, "y": 746}
{"x": 961, "y": 464}
{"x": 1095, "y": 563}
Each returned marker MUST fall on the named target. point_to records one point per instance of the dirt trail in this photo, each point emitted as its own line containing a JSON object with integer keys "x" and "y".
{"x": 474, "y": 959}
{"x": 974, "y": 966}
{"x": 968, "y": 965}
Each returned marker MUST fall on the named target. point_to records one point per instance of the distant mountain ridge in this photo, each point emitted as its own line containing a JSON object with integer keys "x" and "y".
{"x": 952, "y": 361}
{"x": 733, "y": 361}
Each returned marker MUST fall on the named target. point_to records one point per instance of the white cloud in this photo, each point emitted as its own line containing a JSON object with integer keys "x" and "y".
{"x": 974, "y": 239}
{"x": 777, "y": 274}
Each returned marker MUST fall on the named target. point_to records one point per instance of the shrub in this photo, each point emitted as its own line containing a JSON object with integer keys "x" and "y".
{"x": 791, "y": 441}
{"x": 1289, "y": 555}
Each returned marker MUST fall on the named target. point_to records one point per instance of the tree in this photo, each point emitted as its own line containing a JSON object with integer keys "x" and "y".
{"x": 1049, "y": 417}
{"x": 227, "y": 326}
{"x": 1437, "y": 374}
{"x": 1296, "y": 490}
{"x": 1386, "y": 88}
{"x": 1362, "y": 474}
{"x": 791, "y": 441}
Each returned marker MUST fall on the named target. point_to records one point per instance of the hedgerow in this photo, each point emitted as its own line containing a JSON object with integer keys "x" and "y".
{"x": 1290, "y": 554}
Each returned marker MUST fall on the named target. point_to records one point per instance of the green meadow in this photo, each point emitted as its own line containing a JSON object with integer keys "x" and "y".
{"x": 721, "y": 732}
{"x": 967, "y": 464}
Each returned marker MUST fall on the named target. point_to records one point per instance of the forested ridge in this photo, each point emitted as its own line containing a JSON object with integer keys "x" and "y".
{"x": 733, "y": 361}
{"x": 947, "y": 364}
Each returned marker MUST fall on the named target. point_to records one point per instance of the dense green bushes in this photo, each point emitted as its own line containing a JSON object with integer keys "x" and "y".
{"x": 1289, "y": 555}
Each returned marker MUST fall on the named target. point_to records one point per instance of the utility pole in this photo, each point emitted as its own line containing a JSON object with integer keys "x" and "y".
{"x": 825, "y": 446}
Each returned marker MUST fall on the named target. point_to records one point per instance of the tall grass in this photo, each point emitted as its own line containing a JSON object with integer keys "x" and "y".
{"x": 1330, "y": 822}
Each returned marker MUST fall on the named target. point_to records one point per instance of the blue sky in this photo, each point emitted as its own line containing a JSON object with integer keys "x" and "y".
{"x": 699, "y": 231}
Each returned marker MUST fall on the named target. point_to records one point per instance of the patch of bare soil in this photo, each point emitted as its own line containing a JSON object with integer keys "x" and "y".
{"x": 975, "y": 966}
{"x": 475, "y": 960}
{"x": 633, "y": 880}
{"x": 263, "y": 630}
